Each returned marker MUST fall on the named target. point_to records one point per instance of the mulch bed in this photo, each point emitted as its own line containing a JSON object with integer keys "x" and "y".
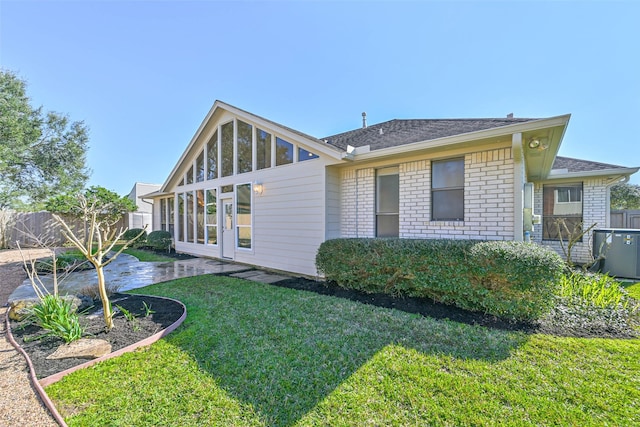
{"x": 123, "y": 334}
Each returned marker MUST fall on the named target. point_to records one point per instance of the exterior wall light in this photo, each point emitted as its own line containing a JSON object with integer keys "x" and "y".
{"x": 538, "y": 144}
{"x": 258, "y": 188}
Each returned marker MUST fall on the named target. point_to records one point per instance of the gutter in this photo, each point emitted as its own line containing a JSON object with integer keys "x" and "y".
{"x": 461, "y": 138}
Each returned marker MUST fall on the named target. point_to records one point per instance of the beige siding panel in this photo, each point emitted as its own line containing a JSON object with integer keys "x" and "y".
{"x": 332, "y": 196}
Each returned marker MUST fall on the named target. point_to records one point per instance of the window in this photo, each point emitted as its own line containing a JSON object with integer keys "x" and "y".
{"x": 212, "y": 157}
{"x": 227, "y": 149}
{"x": 447, "y": 190}
{"x": 181, "y": 221}
{"x": 163, "y": 214}
{"x": 189, "y": 221}
{"x": 200, "y": 216}
{"x": 171, "y": 216}
{"x": 387, "y": 202}
{"x": 243, "y": 215}
{"x": 212, "y": 217}
{"x": 200, "y": 167}
{"x": 284, "y": 152}
{"x": 263, "y": 149}
{"x": 190, "y": 175}
{"x": 561, "y": 210}
{"x": 245, "y": 132}
{"x": 305, "y": 155}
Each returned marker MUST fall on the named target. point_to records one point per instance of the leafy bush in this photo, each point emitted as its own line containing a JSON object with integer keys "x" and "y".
{"x": 508, "y": 279}
{"x": 69, "y": 261}
{"x": 133, "y": 232}
{"x": 159, "y": 240}
{"x": 58, "y": 317}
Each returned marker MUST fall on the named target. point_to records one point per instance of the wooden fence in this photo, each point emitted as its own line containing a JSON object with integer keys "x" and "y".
{"x": 30, "y": 228}
{"x": 625, "y": 219}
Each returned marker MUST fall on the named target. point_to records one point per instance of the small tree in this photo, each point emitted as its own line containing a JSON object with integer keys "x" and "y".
{"x": 101, "y": 210}
{"x": 625, "y": 196}
{"x": 575, "y": 235}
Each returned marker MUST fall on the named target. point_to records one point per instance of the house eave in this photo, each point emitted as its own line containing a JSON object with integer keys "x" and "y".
{"x": 463, "y": 139}
{"x": 612, "y": 175}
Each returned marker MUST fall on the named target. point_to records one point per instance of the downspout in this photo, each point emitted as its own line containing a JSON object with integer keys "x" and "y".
{"x": 518, "y": 187}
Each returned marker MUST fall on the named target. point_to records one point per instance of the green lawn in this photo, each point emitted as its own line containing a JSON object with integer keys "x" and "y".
{"x": 251, "y": 354}
{"x": 146, "y": 256}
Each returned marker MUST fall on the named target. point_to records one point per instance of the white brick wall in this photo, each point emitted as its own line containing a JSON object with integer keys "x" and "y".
{"x": 488, "y": 209}
{"x": 358, "y": 203}
{"x": 594, "y": 211}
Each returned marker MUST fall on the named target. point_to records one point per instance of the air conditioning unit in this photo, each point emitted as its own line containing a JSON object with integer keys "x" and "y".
{"x": 621, "y": 251}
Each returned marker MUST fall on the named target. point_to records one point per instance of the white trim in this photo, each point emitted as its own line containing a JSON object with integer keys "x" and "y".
{"x": 466, "y": 137}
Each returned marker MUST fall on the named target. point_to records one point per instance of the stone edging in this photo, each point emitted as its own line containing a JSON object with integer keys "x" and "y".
{"x": 40, "y": 384}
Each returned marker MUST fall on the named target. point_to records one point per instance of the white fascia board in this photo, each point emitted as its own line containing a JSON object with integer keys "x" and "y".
{"x": 467, "y": 137}
{"x": 560, "y": 174}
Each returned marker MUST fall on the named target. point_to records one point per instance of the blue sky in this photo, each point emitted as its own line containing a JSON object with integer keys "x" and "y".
{"x": 143, "y": 74}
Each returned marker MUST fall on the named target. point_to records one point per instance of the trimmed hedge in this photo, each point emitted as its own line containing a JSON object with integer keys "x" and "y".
{"x": 513, "y": 280}
{"x": 133, "y": 232}
{"x": 159, "y": 240}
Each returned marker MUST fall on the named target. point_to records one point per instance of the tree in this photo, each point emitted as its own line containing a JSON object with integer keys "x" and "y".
{"x": 100, "y": 209}
{"x": 40, "y": 153}
{"x": 625, "y": 196}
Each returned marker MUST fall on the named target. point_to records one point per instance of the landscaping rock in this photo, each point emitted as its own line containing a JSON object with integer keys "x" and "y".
{"x": 20, "y": 309}
{"x": 84, "y": 348}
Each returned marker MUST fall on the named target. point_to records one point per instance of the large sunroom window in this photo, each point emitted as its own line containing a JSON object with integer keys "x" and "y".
{"x": 244, "y": 146}
{"x": 200, "y": 167}
{"x": 212, "y": 217}
{"x": 212, "y": 157}
{"x": 305, "y": 155}
{"x": 200, "y": 216}
{"x": 243, "y": 215}
{"x": 263, "y": 149}
{"x": 284, "y": 152}
{"x": 226, "y": 142}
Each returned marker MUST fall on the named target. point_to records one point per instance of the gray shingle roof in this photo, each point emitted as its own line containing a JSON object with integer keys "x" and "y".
{"x": 400, "y": 132}
{"x": 577, "y": 165}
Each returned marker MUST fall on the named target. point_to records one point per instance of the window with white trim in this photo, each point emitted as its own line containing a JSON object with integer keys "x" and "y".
{"x": 447, "y": 190}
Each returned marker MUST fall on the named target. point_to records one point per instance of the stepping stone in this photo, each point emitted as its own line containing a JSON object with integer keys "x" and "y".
{"x": 259, "y": 276}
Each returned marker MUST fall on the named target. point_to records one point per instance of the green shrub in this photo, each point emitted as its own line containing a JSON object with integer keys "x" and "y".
{"x": 57, "y": 316}
{"x": 69, "y": 261}
{"x": 509, "y": 279}
{"x": 132, "y": 233}
{"x": 159, "y": 240}
{"x": 594, "y": 301}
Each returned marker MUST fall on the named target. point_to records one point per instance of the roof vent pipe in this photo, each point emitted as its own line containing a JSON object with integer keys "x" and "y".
{"x": 364, "y": 120}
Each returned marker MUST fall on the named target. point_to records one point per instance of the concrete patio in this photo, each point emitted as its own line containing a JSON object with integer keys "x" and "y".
{"x": 126, "y": 273}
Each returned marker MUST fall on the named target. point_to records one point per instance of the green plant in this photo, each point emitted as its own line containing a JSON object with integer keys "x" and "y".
{"x": 509, "y": 279}
{"x": 137, "y": 235}
{"x": 147, "y": 309}
{"x": 65, "y": 262}
{"x": 159, "y": 240}
{"x": 131, "y": 318}
{"x": 587, "y": 300}
{"x": 57, "y": 316}
{"x": 599, "y": 290}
